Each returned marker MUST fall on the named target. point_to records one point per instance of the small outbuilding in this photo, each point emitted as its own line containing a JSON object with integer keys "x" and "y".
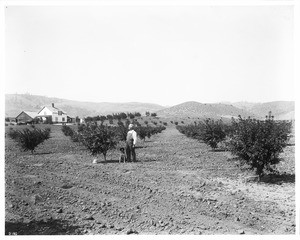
{"x": 25, "y": 117}
{"x": 71, "y": 119}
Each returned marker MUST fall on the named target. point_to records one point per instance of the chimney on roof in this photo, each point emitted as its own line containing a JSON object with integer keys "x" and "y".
{"x": 53, "y": 105}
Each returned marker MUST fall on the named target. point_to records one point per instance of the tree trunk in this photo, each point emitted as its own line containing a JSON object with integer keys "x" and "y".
{"x": 259, "y": 171}
{"x": 104, "y": 154}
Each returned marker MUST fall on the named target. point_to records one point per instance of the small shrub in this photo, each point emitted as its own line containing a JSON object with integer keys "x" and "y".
{"x": 76, "y": 137}
{"x": 80, "y": 127}
{"x": 68, "y": 131}
{"x": 13, "y": 134}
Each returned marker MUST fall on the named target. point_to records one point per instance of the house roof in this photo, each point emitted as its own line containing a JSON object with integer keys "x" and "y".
{"x": 30, "y": 114}
{"x": 53, "y": 109}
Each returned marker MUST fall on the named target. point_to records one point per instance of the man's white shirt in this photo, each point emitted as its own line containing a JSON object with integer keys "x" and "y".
{"x": 134, "y": 136}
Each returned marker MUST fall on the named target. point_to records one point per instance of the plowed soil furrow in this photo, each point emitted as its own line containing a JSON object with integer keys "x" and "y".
{"x": 179, "y": 186}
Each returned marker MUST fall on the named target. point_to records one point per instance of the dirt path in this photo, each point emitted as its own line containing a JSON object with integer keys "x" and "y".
{"x": 179, "y": 186}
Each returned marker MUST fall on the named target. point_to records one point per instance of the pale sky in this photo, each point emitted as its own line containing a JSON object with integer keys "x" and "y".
{"x": 157, "y": 54}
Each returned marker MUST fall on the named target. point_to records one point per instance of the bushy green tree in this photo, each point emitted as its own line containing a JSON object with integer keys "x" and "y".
{"x": 142, "y": 132}
{"x": 122, "y": 130}
{"x": 29, "y": 139}
{"x": 99, "y": 139}
{"x": 258, "y": 142}
{"x": 131, "y": 115}
{"x": 213, "y": 132}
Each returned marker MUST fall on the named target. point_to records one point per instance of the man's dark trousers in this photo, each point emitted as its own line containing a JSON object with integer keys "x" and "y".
{"x": 130, "y": 152}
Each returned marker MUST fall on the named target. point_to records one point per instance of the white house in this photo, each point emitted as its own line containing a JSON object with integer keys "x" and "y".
{"x": 52, "y": 113}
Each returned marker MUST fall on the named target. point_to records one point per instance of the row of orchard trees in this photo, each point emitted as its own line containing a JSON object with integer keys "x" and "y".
{"x": 99, "y": 139}
{"x": 118, "y": 116}
{"x": 257, "y": 142}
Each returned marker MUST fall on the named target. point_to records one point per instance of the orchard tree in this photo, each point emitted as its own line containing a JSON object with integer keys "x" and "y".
{"x": 142, "y": 132}
{"x": 131, "y": 115}
{"x": 258, "y": 142}
{"x": 137, "y": 114}
{"x": 109, "y": 117}
{"x": 122, "y": 131}
{"x": 213, "y": 132}
{"x": 67, "y": 130}
{"x": 99, "y": 139}
{"x": 29, "y": 139}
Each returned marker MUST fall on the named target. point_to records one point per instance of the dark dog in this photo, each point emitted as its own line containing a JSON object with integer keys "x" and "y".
{"x": 122, "y": 155}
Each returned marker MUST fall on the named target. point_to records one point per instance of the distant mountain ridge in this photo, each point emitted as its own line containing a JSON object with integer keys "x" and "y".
{"x": 15, "y": 103}
{"x": 204, "y": 110}
{"x": 281, "y": 110}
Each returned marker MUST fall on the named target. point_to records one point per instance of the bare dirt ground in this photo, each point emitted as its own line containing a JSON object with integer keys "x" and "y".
{"x": 179, "y": 186}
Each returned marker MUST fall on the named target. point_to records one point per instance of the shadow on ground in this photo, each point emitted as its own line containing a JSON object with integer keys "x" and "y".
{"x": 136, "y": 147}
{"x": 277, "y": 178}
{"x": 49, "y": 227}
{"x": 115, "y": 161}
{"x": 291, "y": 144}
{"x": 218, "y": 150}
{"x": 42, "y": 153}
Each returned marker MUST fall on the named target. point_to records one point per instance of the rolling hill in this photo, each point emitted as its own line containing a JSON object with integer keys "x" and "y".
{"x": 281, "y": 110}
{"x": 15, "y": 103}
{"x": 196, "y": 109}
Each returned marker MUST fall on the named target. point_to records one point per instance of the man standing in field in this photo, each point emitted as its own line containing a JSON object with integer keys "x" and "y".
{"x": 130, "y": 144}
